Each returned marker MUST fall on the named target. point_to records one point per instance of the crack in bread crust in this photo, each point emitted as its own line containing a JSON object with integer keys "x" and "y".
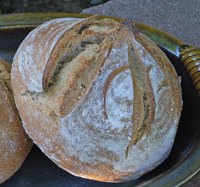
{"x": 83, "y": 56}
{"x": 164, "y": 64}
{"x": 144, "y": 104}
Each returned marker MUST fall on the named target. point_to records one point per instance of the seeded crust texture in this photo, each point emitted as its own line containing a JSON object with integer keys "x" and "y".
{"x": 14, "y": 143}
{"x": 100, "y": 101}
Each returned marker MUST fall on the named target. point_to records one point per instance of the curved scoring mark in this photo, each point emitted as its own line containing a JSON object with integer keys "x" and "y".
{"x": 105, "y": 89}
{"x": 144, "y": 104}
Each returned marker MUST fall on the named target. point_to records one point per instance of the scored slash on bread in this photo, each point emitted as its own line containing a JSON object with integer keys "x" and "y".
{"x": 102, "y": 102}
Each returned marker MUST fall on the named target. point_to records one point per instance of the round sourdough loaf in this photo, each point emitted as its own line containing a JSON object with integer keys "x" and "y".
{"x": 99, "y": 100}
{"x": 14, "y": 143}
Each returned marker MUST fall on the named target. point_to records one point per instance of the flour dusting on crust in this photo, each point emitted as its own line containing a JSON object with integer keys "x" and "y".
{"x": 91, "y": 140}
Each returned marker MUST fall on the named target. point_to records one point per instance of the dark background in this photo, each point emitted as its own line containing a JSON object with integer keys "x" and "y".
{"x": 16, "y": 6}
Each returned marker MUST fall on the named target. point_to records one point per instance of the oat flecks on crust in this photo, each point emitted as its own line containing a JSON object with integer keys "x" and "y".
{"x": 15, "y": 144}
{"x": 97, "y": 104}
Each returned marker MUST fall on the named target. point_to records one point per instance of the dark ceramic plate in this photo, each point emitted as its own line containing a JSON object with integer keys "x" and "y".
{"x": 180, "y": 166}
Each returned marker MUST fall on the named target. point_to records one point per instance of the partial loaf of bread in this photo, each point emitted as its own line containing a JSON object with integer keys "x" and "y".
{"x": 100, "y": 101}
{"x": 14, "y": 143}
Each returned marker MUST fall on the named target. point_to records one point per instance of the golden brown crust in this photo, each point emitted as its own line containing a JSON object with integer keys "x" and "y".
{"x": 98, "y": 97}
{"x": 15, "y": 144}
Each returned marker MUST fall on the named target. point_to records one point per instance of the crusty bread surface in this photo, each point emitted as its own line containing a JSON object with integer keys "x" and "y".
{"x": 100, "y": 101}
{"x": 14, "y": 143}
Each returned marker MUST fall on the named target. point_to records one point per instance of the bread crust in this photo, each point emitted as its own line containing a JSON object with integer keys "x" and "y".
{"x": 15, "y": 144}
{"x": 102, "y": 103}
